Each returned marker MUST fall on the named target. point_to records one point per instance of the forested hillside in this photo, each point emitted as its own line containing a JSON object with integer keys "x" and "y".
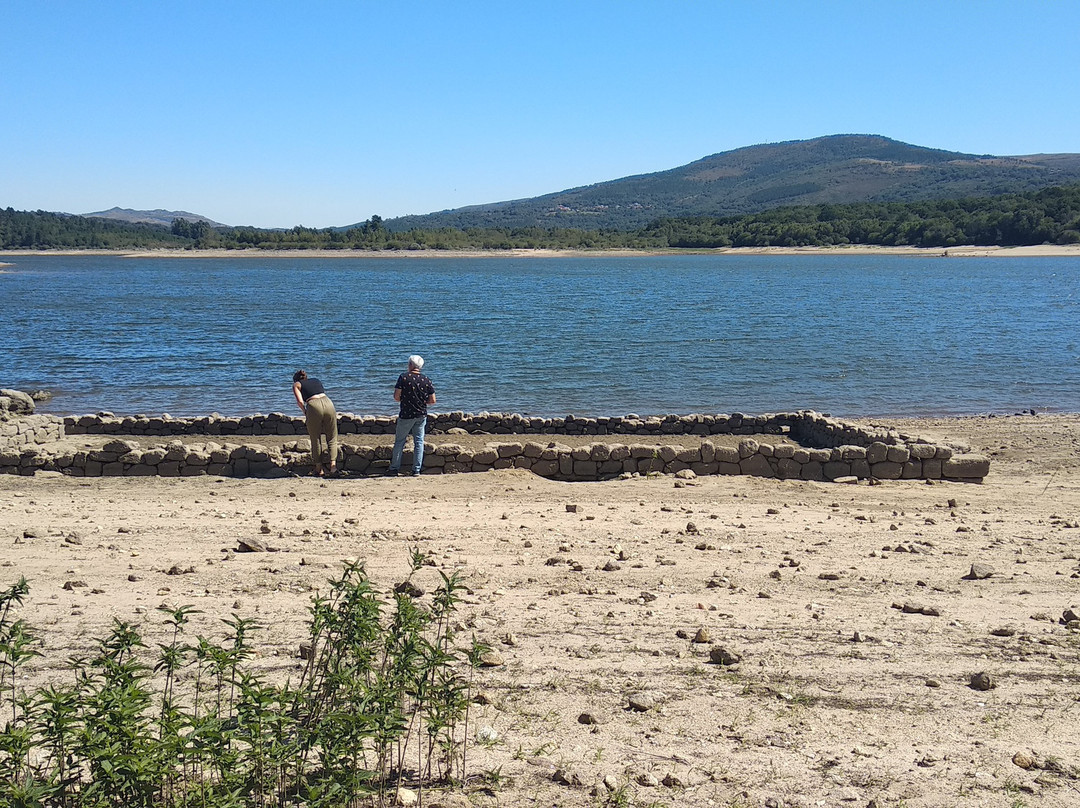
{"x": 1049, "y": 216}
{"x": 839, "y": 169}
{"x": 39, "y": 230}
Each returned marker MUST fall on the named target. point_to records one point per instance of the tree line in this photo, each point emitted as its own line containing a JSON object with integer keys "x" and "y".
{"x": 1051, "y": 215}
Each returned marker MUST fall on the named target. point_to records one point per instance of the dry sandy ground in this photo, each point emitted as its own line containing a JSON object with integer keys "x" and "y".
{"x": 840, "y": 698}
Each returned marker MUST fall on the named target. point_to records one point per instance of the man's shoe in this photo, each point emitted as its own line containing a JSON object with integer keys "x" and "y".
{"x": 391, "y": 472}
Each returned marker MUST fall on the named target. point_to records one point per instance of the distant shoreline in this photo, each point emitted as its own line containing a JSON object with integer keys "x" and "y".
{"x": 968, "y": 251}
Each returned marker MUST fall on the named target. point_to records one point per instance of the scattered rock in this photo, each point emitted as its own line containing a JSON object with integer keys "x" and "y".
{"x": 573, "y": 509}
{"x": 408, "y": 588}
{"x": 568, "y": 777}
{"x": 405, "y": 796}
{"x": 1025, "y": 760}
{"x": 979, "y": 571}
{"x": 307, "y": 650}
{"x": 252, "y": 546}
{"x": 702, "y": 636}
{"x": 1003, "y": 631}
{"x": 70, "y": 586}
{"x": 719, "y": 655}
{"x": 487, "y": 734}
{"x": 592, "y": 718}
{"x": 647, "y": 779}
{"x": 982, "y": 681}
{"x": 491, "y": 659}
{"x": 644, "y": 700}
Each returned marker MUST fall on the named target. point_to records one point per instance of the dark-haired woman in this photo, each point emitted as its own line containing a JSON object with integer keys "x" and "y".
{"x": 312, "y": 400}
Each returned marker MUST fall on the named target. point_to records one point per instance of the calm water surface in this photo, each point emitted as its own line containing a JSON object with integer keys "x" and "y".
{"x": 851, "y": 335}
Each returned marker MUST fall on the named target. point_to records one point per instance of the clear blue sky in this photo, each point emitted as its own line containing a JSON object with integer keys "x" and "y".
{"x": 324, "y": 113}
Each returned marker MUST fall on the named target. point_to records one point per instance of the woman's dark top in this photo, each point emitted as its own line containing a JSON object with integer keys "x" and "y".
{"x": 310, "y": 387}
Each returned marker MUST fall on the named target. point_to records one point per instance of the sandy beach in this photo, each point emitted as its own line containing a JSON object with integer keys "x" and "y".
{"x": 857, "y": 631}
{"x": 969, "y": 251}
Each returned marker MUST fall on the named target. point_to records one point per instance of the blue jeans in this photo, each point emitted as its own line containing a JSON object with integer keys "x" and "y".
{"x": 406, "y": 427}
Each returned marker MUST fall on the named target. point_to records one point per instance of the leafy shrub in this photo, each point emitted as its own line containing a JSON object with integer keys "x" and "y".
{"x": 382, "y": 701}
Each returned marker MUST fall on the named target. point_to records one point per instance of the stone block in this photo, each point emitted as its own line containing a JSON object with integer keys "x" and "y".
{"x": 784, "y": 451}
{"x": 836, "y": 468}
{"x": 727, "y": 454}
{"x": 912, "y": 470}
{"x": 931, "y": 469}
{"x": 887, "y": 470}
{"x": 788, "y": 469}
{"x": 748, "y": 447}
{"x": 545, "y": 467}
{"x": 899, "y": 454}
{"x": 922, "y": 451}
{"x": 877, "y": 452}
{"x": 966, "y": 466}
{"x": 585, "y": 468}
{"x": 755, "y": 465}
{"x": 812, "y": 470}
{"x": 708, "y": 451}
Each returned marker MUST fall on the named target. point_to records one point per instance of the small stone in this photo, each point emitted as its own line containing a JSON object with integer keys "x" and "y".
{"x": 1025, "y": 760}
{"x": 702, "y": 636}
{"x": 252, "y": 545}
{"x": 1003, "y": 631}
{"x": 487, "y": 734}
{"x": 307, "y": 650}
{"x": 134, "y": 578}
{"x": 611, "y": 566}
{"x": 573, "y": 509}
{"x": 643, "y": 701}
{"x": 74, "y": 539}
{"x": 491, "y": 659}
{"x": 982, "y": 681}
{"x": 672, "y": 780}
{"x": 568, "y": 777}
{"x": 70, "y": 586}
{"x": 592, "y": 718}
{"x": 405, "y": 796}
{"x": 830, "y": 576}
{"x": 719, "y": 655}
{"x": 1069, "y": 615}
{"x": 647, "y": 779}
{"x": 979, "y": 571}
{"x": 692, "y": 529}
{"x": 932, "y": 683}
{"x": 409, "y": 589}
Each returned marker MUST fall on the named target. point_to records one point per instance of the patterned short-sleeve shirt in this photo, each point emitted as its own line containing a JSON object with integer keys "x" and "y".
{"x": 415, "y": 389}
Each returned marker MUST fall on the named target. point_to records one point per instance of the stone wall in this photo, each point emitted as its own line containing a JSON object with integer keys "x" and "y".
{"x": 483, "y": 423}
{"x": 829, "y": 449}
{"x": 29, "y": 430}
{"x": 20, "y": 427}
{"x": 547, "y": 459}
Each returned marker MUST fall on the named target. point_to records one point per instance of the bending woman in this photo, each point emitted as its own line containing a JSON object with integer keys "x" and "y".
{"x": 321, "y": 419}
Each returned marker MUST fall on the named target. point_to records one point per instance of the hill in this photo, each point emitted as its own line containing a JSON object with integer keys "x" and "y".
{"x": 160, "y": 217}
{"x": 837, "y": 169}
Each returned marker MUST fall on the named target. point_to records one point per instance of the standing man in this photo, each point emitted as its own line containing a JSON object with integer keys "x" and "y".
{"x": 415, "y": 391}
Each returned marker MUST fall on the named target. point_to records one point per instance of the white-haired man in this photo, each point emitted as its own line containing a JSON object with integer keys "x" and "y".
{"x": 414, "y": 391}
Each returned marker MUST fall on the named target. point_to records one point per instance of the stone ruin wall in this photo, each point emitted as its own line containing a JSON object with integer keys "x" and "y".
{"x": 830, "y": 449}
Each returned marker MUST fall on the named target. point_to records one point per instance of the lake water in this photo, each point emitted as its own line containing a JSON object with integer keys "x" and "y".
{"x": 850, "y": 335}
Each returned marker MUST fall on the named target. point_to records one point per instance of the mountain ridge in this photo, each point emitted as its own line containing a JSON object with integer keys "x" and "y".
{"x": 157, "y": 216}
{"x": 832, "y": 169}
